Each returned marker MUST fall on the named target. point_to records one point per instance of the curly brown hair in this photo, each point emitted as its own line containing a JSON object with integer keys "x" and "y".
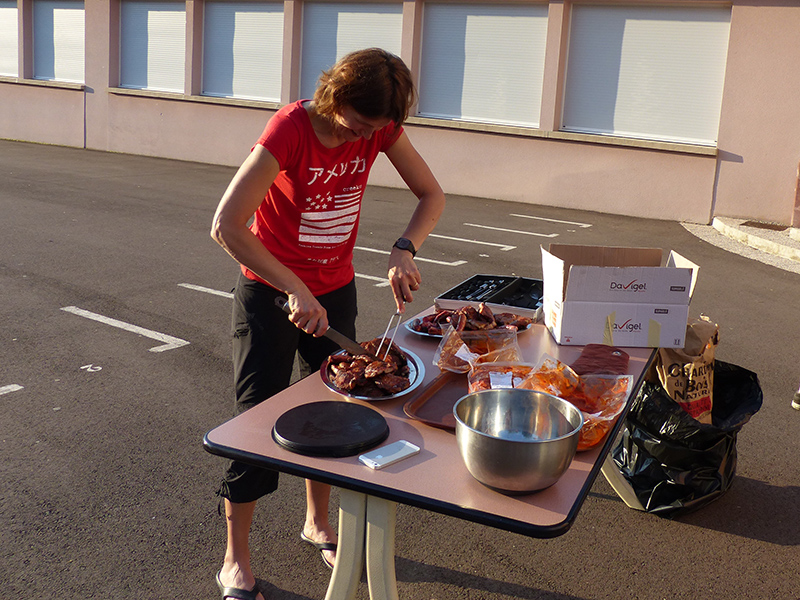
{"x": 373, "y": 82}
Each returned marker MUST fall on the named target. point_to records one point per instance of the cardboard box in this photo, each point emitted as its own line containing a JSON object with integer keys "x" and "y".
{"x": 501, "y": 293}
{"x": 617, "y": 296}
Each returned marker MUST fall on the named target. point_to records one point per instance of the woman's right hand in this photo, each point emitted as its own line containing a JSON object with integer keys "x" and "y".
{"x": 308, "y": 314}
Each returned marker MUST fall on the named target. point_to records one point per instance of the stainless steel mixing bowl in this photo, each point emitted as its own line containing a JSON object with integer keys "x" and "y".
{"x": 516, "y": 440}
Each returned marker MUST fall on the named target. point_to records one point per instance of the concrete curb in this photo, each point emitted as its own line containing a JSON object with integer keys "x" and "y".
{"x": 757, "y": 242}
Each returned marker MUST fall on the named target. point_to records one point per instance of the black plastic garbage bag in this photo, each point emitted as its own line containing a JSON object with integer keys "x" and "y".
{"x": 674, "y": 463}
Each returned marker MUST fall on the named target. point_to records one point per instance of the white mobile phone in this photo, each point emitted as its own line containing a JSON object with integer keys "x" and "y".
{"x": 388, "y": 455}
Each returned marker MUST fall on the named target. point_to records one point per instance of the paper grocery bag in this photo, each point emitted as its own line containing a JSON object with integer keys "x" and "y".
{"x": 687, "y": 374}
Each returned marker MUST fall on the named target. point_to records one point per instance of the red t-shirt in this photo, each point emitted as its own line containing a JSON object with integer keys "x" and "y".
{"x": 309, "y": 218}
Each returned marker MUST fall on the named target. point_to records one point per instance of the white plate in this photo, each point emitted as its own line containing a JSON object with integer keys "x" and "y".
{"x": 438, "y": 336}
{"x": 416, "y": 373}
{"x": 408, "y": 326}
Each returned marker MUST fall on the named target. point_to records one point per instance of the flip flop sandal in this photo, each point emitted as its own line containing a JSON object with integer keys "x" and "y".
{"x": 237, "y": 593}
{"x": 320, "y": 546}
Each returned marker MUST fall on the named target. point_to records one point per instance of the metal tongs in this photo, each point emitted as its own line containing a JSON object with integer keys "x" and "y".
{"x": 399, "y": 317}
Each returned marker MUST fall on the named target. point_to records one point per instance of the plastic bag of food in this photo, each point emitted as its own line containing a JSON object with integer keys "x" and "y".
{"x": 497, "y": 375}
{"x": 552, "y": 377}
{"x": 459, "y": 350}
{"x": 600, "y": 398}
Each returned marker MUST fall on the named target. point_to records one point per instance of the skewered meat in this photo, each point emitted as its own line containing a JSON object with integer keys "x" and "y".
{"x": 348, "y": 375}
{"x": 360, "y": 376}
{"x": 514, "y": 320}
{"x": 392, "y": 384}
{"x": 379, "y": 367}
{"x": 432, "y": 324}
{"x": 469, "y": 318}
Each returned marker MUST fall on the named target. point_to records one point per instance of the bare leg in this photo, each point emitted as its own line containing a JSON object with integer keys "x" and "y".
{"x": 317, "y": 526}
{"x": 236, "y": 570}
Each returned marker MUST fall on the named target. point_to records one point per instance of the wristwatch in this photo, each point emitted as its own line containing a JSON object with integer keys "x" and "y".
{"x": 405, "y": 244}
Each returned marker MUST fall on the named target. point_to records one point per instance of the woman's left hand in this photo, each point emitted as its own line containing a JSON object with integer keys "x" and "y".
{"x": 404, "y": 277}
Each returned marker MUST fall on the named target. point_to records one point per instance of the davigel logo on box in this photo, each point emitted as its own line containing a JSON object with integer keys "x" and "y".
{"x": 628, "y": 287}
{"x": 628, "y": 326}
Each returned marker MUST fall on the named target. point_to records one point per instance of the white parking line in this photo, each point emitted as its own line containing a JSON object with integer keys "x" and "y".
{"x": 7, "y": 389}
{"x": 382, "y": 281}
{"x": 503, "y": 247}
{"x": 456, "y": 263}
{"x": 552, "y": 220}
{"x": 200, "y": 288}
{"x": 547, "y": 235}
{"x": 169, "y": 341}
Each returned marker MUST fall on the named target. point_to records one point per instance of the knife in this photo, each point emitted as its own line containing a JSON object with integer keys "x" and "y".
{"x": 340, "y": 339}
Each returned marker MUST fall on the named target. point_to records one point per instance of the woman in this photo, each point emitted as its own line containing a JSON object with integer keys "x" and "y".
{"x": 303, "y": 183}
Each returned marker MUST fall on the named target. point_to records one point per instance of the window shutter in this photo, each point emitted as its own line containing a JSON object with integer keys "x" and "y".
{"x": 483, "y": 62}
{"x": 331, "y": 30}
{"x": 9, "y": 39}
{"x": 243, "y": 49}
{"x": 647, "y": 72}
{"x": 153, "y": 45}
{"x": 58, "y": 40}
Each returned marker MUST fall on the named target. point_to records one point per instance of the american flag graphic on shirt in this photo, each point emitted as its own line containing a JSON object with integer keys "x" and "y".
{"x": 329, "y": 220}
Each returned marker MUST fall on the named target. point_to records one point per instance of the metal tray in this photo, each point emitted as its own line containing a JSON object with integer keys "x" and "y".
{"x": 415, "y": 376}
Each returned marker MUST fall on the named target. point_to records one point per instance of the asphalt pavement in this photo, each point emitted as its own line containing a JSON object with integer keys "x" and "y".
{"x": 115, "y": 360}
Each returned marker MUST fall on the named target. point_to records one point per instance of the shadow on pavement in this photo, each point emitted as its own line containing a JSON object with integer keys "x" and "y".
{"x": 271, "y": 591}
{"x": 754, "y": 509}
{"x": 411, "y": 571}
{"x": 750, "y": 509}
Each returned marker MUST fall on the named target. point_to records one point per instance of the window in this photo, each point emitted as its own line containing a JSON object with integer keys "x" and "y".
{"x": 58, "y": 40}
{"x": 332, "y": 30}
{"x": 9, "y": 39}
{"x": 483, "y": 62}
{"x": 243, "y": 49}
{"x": 153, "y": 45}
{"x": 646, "y": 72}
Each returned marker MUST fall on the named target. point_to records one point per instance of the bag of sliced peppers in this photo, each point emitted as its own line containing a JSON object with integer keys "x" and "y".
{"x": 600, "y": 398}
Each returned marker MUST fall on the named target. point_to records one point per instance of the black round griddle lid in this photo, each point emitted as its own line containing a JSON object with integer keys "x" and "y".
{"x": 331, "y": 428}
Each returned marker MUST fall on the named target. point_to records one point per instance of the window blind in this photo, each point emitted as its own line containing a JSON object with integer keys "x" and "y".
{"x": 483, "y": 62}
{"x": 646, "y": 72}
{"x": 153, "y": 45}
{"x": 243, "y": 49}
{"x": 331, "y": 30}
{"x": 58, "y": 40}
{"x": 9, "y": 39}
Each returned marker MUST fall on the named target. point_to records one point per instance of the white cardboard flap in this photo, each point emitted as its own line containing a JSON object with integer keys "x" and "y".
{"x": 607, "y": 256}
{"x": 554, "y": 275}
{"x": 678, "y": 261}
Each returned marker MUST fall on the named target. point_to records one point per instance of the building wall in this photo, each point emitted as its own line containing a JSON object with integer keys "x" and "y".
{"x": 752, "y": 173}
{"x": 587, "y": 176}
{"x": 759, "y": 137}
{"x": 42, "y": 113}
